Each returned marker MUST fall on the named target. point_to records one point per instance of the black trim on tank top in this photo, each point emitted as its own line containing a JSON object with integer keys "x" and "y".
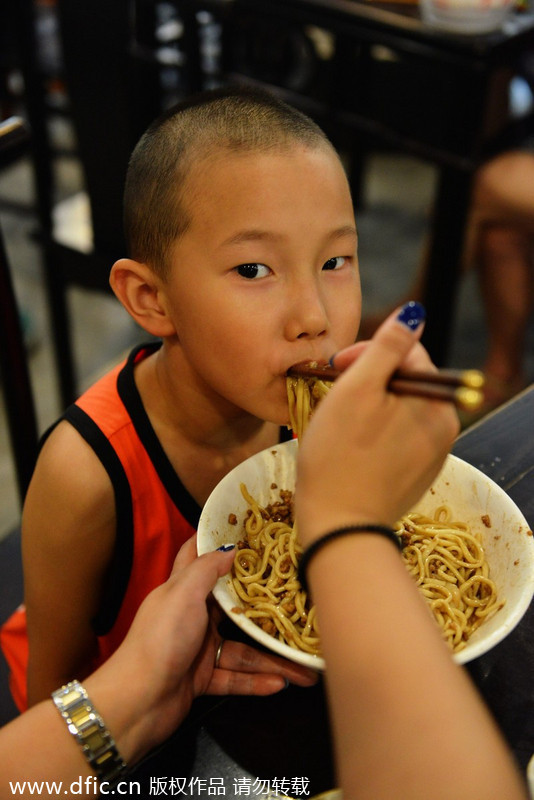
{"x": 118, "y": 573}
{"x": 129, "y": 394}
{"x": 286, "y": 434}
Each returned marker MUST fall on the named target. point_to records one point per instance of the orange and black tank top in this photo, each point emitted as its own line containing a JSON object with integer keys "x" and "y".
{"x": 155, "y": 514}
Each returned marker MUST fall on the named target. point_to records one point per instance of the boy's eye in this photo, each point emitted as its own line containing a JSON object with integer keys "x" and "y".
{"x": 334, "y": 263}
{"x": 252, "y": 271}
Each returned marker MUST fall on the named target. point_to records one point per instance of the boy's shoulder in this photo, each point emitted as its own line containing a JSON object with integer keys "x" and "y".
{"x": 105, "y": 430}
{"x": 67, "y": 441}
{"x": 69, "y": 469}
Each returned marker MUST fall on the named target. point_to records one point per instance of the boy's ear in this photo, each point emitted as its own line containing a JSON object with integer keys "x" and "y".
{"x": 140, "y": 292}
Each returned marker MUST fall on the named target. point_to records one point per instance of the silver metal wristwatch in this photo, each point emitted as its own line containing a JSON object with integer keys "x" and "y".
{"x": 89, "y": 729}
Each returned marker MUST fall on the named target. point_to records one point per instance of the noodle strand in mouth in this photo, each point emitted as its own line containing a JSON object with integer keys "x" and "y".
{"x": 303, "y": 394}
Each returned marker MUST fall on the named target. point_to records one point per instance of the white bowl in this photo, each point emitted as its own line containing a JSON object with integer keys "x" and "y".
{"x": 470, "y": 494}
{"x": 466, "y": 16}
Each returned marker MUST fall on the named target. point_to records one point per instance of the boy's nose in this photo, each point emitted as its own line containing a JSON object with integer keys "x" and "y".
{"x": 307, "y": 316}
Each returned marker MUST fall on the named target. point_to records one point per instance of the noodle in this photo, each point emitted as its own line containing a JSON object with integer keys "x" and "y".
{"x": 303, "y": 394}
{"x": 445, "y": 558}
{"x": 447, "y": 561}
{"x": 265, "y": 576}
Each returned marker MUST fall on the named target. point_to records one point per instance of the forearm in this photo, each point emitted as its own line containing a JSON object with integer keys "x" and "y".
{"x": 38, "y": 746}
{"x": 47, "y": 671}
{"x": 402, "y": 710}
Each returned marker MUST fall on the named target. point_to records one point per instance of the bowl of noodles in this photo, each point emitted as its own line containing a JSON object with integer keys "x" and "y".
{"x": 466, "y": 544}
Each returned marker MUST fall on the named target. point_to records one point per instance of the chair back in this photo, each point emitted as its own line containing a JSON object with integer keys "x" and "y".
{"x": 111, "y": 102}
{"x": 14, "y": 372}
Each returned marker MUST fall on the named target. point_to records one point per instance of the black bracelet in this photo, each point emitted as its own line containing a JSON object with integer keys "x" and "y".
{"x": 315, "y": 546}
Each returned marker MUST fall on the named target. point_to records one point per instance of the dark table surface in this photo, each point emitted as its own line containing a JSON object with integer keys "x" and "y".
{"x": 502, "y": 446}
{"x": 241, "y": 746}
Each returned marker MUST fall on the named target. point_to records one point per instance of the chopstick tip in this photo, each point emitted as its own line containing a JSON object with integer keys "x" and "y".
{"x": 468, "y": 398}
{"x": 473, "y": 378}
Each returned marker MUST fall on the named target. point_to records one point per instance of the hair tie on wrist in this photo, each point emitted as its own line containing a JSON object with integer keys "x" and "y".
{"x": 315, "y": 546}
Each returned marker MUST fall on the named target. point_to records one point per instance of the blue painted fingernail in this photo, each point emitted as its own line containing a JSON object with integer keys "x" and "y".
{"x": 226, "y": 547}
{"x": 331, "y": 360}
{"x": 411, "y": 315}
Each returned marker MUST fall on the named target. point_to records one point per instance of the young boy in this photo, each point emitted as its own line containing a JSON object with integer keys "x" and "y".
{"x": 242, "y": 262}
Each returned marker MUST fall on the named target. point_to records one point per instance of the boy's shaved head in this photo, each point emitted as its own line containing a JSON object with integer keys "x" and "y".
{"x": 240, "y": 120}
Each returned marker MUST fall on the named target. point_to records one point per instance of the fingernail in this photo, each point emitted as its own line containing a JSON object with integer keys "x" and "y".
{"x": 331, "y": 360}
{"x": 226, "y": 547}
{"x": 411, "y": 315}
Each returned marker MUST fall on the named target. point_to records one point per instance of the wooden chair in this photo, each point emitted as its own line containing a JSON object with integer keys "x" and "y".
{"x": 20, "y": 410}
{"x": 94, "y": 41}
{"x": 112, "y": 71}
{"x": 14, "y": 373}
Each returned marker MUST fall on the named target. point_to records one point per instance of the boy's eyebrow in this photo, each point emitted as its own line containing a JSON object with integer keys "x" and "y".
{"x": 250, "y": 235}
{"x": 256, "y": 234}
{"x": 345, "y": 230}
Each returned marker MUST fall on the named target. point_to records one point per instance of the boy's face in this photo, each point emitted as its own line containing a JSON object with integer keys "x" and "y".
{"x": 265, "y": 276}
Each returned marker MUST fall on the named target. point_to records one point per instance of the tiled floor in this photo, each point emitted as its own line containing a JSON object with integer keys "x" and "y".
{"x": 392, "y": 229}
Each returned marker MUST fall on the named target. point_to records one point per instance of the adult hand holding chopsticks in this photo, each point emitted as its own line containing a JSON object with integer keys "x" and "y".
{"x": 392, "y": 445}
{"x": 406, "y": 720}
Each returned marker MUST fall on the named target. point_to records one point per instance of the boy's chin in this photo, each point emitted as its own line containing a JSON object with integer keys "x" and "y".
{"x": 281, "y": 419}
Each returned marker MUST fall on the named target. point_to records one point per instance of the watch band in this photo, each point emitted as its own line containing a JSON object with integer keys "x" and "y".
{"x": 89, "y": 729}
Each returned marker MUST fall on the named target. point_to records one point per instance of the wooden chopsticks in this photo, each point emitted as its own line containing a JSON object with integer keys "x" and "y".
{"x": 464, "y": 388}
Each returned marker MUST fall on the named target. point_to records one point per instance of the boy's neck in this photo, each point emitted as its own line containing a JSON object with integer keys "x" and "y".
{"x": 201, "y": 441}
{"x": 181, "y": 406}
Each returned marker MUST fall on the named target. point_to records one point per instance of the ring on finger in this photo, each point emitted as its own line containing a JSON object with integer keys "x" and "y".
{"x": 219, "y": 653}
